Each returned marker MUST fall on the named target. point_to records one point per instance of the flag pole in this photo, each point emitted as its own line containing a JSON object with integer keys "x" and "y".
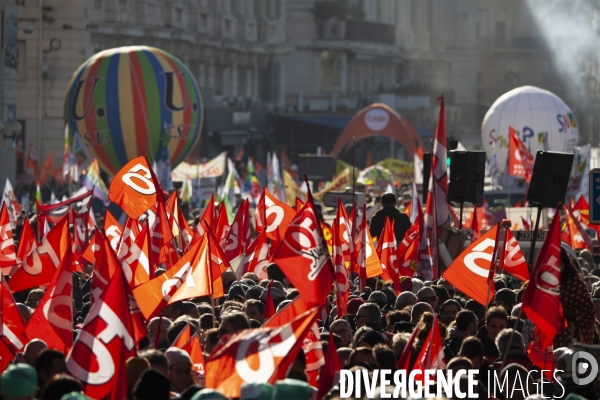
{"x": 434, "y": 245}
{"x": 492, "y": 271}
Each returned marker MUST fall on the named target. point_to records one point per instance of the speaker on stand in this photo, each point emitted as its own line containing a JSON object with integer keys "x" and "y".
{"x": 467, "y": 173}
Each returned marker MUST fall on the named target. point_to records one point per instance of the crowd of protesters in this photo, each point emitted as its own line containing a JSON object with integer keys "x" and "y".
{"x": 372, "y": 336}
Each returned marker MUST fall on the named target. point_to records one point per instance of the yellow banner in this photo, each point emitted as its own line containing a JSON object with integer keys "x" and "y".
{"x": 292, "y": 190}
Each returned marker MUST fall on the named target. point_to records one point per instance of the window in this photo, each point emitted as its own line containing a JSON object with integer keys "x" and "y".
{"x": 202, "y": 75}
{"x": 99, "y": 4}
{"x": 123, "y": 6}
{"x": 330, "y": 71}
{"x": 153, "y": 12}
{"x": 179, "y": 17}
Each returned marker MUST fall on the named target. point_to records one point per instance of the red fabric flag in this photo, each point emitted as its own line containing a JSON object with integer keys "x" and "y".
{"x": 187, "y": 279}
{"x": 526, "y": 225}
{"x": 368, "y": 264}
{"x": 105, "y": 267}
{"x": 269, "y": 306}
{"x": 342, "y": 285}
{"x": 40, "y": 266}
{"x": 177, "y": 221}
{"x": 208, "y": 217}
{"x": 218, "y": 265}
{"x": 290, "y": 311}
{"x": 256, "y": 355}
{"x": 257, "y": 256}
{"x": 184, "y": 336}
{"x": 8, "y": 256}
{"x": 344, "y": 233}
{"x": 431, "y": 355}
{"x": 238, "y": 237}
{"x": 543, "y": 291}
{"x": 47, "y": 167}
{"x": 299, "y": 204}
{"x": 484, "y": 216}
{"x": 520, "y": 160}
{"x": 161, "y": 235}
{"x": 27, "y": 242}
{"x": 53, "y": 213}
{"x": 52, "y": 320}
{"x": 194, "y": 349}
{"x": 105, "y": 342}
{"x": 386, "y": 250}
{"x": 135, "y": 188}
{"x": 439, "y": 174}
{"x": 273, "y": 215}
{"x": 113, "y": 230}
{"x": 222, "y": 226}
{"x": 330, "y": 374}
{"x": 579, "y": 236}
{"x": 138, "y": 262}
{"x": 470, "y": 270}
{"x": 512, "y": 259}
{"x": 131, "y": 231}
{"x": 12, "y": 328}
{"x": 581, "y": 209}
{"x": 404, "y": 360}
{"x": 32, "y": 167}
{"x": 89, "y": 254}
{"x": 303, "y": 256}
{"x": 475, "y": 231}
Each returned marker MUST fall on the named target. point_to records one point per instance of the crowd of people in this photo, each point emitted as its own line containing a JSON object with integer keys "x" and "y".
{"x": 375, "y": 333}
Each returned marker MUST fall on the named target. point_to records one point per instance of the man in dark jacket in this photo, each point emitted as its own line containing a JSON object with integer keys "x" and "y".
{"x": 466, "y": 326}
{"x": 389, "y": 210}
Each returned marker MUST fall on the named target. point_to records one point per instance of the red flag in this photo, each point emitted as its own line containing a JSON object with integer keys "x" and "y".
{"x": 208, "y": 217}
{"x": 184, "y": 336}
{"x": 404, "y": 360}
{"x": 342, "y": 285}
{"x": 218, "y": 265}
{"x": 238, "y": 237}
{"x": 386, "y": 250}
{"x": 431, "y": 355}
{"x": 8, "y": 256}
{"x": 367, "y": 261}
{"x": 256, "y": 355}
{"x": 344, "y": 233}
{"x": 32, "y": 167}
{"x": 194, "y": 349}
{"x": 89, "y": 254}
{"x": 105, "y": 342}
{"x": 520, "y": 160}
{"x": 526, "y": 225}
{"x": 512, "y": 259}
{"x": 257, "y": 256}
{"x": 53, "y": 213}
{"x": 303, "y": 256}
{"x": 579, "y": 236}
{"x": 12, "y": 328}
{"x": 330, "y": 374}
{"x": 581, "y": 209}
{"x": 299, "y": 204}
{"x": 439, "y": 174}
{"x": 52, "y": 320}
{"x": 475, "y": 232}
{"x": 470, "y": 270}
{"x": 187, "y": 279}
{"x": 40, "y": 266}
{"x": 105, "y": 267}
{"x": 47, "y": 167}
{"x": 113, "y": 230}
{"x": 177, "y": 221}
{"x": 135, "y": 188}
{"x": 273, "y": 215}
{"x": 131, "y": 231}
{"x": 543, "y": 291}
{"x": 269, "y": 306}
{"x": 27, "y": 243}
{"x": 222, "y": 225}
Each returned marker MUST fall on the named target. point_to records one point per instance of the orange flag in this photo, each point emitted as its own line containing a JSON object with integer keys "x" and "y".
{"x": 579, "y": 236}
{"x": 135, "y": 188}
{"x": 342, "y": 285}
{"x": 236, "y": 361}
{"x": 8, "y": 256}
{"x": 187, "y": 279}
{"x": 257, "y": 256}
{"x": 40, "y": 266}
{"x": 368, "y": 263}
{"x": 113, "y": 230}
{"x": 138, "y": 263}
{"x": 386, "y": 250}
{"x": 184, "y": 336}
{"x": 89, "y": 254}
{"x": 52, "y": 320}
{"x": 47, "y": 167}
{"x": 238, "y": 236}
{"x": 470, "y": 270}
{"x": 105, "y": 267}
{"x": 273, "y": 215}
{"x": 28, "y": 241}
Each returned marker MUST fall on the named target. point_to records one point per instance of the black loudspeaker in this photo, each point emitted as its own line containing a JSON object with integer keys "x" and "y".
{"x": 426, "y": 175}
{"x": 550, "y": 178}
{"x": 467, "y": 173}
{"x": 316, "y": 168}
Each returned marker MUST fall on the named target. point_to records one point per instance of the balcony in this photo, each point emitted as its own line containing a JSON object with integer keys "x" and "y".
{"x": 360, "y": 31}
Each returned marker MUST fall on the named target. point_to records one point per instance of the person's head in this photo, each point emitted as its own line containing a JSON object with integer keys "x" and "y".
{"x": 32, "y": 349}
{"x": 59, "y": 385}
{"x": 369, "y": 339}
{"x": 449, "y": 287}
{"x": 395, "y": 316}
{"x": 449, "y": 309}
{"x": 379, "y": 298}
{"x": 428, "y": 295}
{"x": 152, "y": 384}
{"x": 228, "y": 278}
{"x": 477, "y": 308}
{"x": 417, "y": 284}
{"x": 388, "y": 200}
{"x": 173, "y": 310}
{"x": 496, "y": 320}
{"x": 190, "y": 309}
{"x": 472, "y": 348}
{"x": 362, "y": 355}
{"x": 157, "y": 360}
{"x": 399, "y": 342}
{"x": 367, "y": 314}
{"x": 342, "y": 328}
{"x": 298, "y": 367}
{"x": 418, "y": 310}
{"x": 48, "y": 363}
{"x": 275, "y": 273}
{"x": 18, "y": 382}
{"x": 441, "y": 293}
{"x": 458, "y": 363}
{"x": 211, "y": 338}
{"x": 233, "y": 322}
{"x": 506, "y": 299}
{"x": 516, "y": 343}
{"x": 405, "y": 299}
{"x": 384, "y": 356}
{"x": 154, "y": 325}
{"x": 180, "y": 368}
{"x": 34, "y": 296}
{"x": 254, "y": 309}
{"x": 207, "y": 321}
{"x": 467, "y": 322}
{"x": 178, "y": 326}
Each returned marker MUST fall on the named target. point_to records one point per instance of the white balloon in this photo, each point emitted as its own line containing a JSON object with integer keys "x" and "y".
{"x": 537, "y": 115}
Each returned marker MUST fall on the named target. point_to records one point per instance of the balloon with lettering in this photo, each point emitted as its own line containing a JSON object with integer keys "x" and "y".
{"x": 125, "y": 102}
{"x": 540, "y": 119}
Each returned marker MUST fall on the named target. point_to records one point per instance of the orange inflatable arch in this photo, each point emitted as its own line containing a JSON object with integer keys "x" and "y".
{"x": 379, "y": 119}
